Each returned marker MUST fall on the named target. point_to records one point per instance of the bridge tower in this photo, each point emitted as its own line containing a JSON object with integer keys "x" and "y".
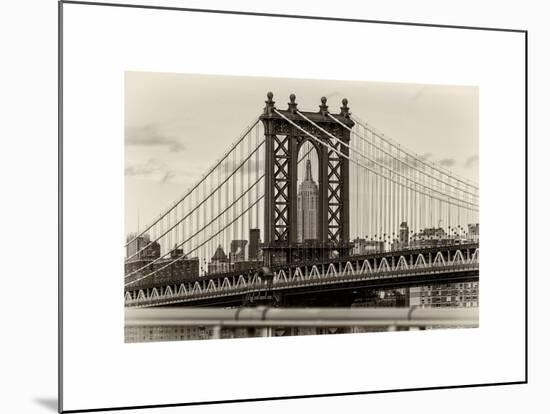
{"x": 283, "y": 139}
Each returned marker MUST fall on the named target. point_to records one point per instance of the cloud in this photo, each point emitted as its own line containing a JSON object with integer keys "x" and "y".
{"x": 168, "y": 175}
{"x": 418, "y": 94}
{"x": 447, "y": 162}
{"x": 471, "y": 161}
{"x": 141, "y": 169}
{"x": 330, "y": 95}
{"x": 151, "y": 135}
{"x": 152, "y": 170}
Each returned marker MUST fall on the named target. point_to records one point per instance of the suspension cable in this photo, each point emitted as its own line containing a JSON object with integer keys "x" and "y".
{"x": 190, "y": 190}
{"x": 381, "y": 165}
{"x": 358, "y": 163}
{"x": 399, "y": 149}
{"x": 411, "y": 153}
{"x": 197, "y": 231}
{"x": 204, "y": 200}
{"x": 177, "y": 259}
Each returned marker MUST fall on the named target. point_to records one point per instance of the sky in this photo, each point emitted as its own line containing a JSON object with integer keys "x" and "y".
{"x": 177, "y": 125}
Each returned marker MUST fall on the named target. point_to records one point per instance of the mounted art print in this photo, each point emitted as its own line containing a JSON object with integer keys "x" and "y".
{"x": 259, "y": 206}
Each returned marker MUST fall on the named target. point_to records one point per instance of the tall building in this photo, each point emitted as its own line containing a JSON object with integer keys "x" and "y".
{"x": 141, "y": 247}
{"x": 404, "y": 234}
{"x": 308, "y": 207}
{"x": 254, "y": 246}
{"x": 473, "y": 231}
{"x": 238, "y": 249}
{"x": 403, "y": 241}
{"x": 146, "y": 268}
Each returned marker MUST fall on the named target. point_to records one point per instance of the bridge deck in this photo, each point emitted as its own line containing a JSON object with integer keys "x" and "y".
{"x": 347, "y": 275}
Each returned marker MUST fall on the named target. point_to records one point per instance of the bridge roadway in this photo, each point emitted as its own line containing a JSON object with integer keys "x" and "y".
{"x": 334, "y": 281}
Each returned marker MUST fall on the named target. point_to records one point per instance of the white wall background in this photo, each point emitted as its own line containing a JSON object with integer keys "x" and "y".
{"x": 29, "y": 179}
{"x": 152, "y": 40}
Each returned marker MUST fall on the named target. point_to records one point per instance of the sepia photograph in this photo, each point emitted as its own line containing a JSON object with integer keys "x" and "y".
{"x": 263, "y": 207}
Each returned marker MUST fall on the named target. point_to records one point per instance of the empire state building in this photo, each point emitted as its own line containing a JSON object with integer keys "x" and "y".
{"x": 308, "y": 207}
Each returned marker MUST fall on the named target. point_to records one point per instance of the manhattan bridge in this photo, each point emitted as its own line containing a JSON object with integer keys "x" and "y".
{"x": 386, "y": 218}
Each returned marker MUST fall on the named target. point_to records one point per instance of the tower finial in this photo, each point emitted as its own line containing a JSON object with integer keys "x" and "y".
{"x": 344, "y": 110}
{"x": 309, "y": 177}
{"x": 323, "y": 107}
{"x": 292, "y": 105}
{"x": 269, "y": 104}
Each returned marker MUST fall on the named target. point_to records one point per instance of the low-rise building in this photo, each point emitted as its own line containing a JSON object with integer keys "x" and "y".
{"x": 364, "y": 246}
{"x": 446, "y": 295}
{"x": 219, "y": 262}
{"x": 166, "y": 271}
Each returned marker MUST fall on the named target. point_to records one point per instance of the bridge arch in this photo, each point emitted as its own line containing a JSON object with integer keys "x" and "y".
{"x": 308, "y": 195}
{"x": 286, "y": 132}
